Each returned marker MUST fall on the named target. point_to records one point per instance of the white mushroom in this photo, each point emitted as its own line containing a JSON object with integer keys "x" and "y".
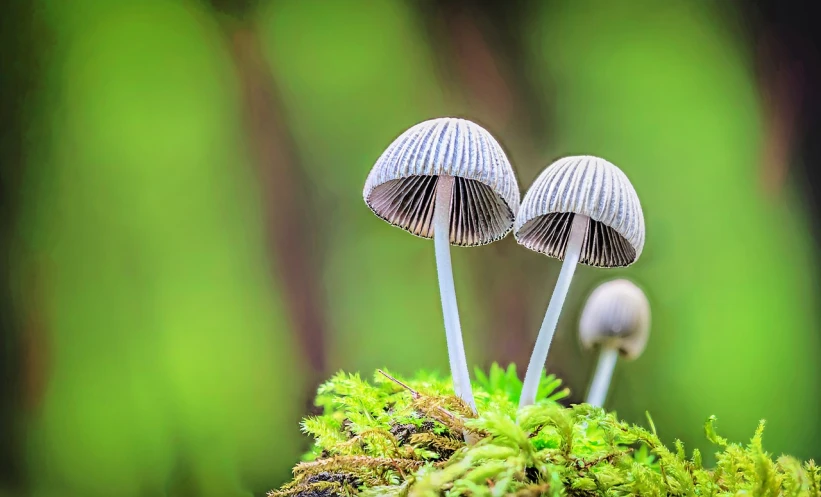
{"x": 584, "y": 210}
{"x": 616, "y": 319}
{"x": 446, "y": 179}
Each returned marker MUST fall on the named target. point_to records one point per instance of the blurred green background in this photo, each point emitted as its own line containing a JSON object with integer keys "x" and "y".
{"x": 187, "y": 253}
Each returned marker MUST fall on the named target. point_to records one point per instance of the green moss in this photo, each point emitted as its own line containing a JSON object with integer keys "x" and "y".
{"x": 395, "y": 438}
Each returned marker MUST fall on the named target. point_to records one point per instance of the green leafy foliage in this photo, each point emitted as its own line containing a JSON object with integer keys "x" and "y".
{"x": 393, "y": 437}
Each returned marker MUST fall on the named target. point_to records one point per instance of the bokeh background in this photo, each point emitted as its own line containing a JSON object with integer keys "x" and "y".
{"x": 186, "y": 252}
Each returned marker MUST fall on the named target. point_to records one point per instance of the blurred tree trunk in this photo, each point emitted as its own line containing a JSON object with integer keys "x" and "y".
{"x": 292, "y": 232}
{"x": 17, "y": 79}
{"x": 784, "y": 39}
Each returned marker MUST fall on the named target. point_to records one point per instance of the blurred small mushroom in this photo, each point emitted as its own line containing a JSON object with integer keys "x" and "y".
{"x": 446, "y": 179}
{"x": 583, "y": 210}
{"x": 615, "y": 319}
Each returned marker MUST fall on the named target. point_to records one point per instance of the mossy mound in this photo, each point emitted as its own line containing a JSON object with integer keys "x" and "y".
{"x": 406, "y": 438}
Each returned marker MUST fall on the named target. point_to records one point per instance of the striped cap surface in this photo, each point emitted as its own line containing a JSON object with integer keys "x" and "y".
{"x": 595, "y": 188}
{"x": 400, "y": 188}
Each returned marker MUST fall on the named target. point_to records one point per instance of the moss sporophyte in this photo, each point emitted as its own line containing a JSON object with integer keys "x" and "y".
{"x": 390, "y": 437}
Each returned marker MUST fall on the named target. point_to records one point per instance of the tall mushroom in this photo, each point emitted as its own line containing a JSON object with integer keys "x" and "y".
{"x": 616, "y": 319}
{"x": 583, "y": 210}
{"x": 446, "y": 179}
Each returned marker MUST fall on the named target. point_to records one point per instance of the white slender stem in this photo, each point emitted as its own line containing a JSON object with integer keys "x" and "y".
{"x": 453, "y": 329}
{"x": 602, "y": 376}
{"x": 551, "y": 318}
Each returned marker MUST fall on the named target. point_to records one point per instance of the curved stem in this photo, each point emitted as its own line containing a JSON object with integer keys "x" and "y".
{"x": 601, "y": 379}
{"x": 551, "y": 318}
{"x": 453, "y": 329}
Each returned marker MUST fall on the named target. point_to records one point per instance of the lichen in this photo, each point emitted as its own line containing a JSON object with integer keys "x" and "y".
{"x": 392, "y": 437}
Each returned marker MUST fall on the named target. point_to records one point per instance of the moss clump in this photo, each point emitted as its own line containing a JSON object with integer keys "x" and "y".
{"x": 389, "y": 438}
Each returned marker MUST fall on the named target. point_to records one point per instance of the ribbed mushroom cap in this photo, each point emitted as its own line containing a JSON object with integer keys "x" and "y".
{"x": 595, "y": 188}
{"x": 400, "y": 187}
{"x": 616, "y": 315}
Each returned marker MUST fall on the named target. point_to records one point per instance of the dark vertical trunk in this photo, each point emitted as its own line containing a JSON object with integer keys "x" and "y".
{"x": 16, "y": 82}
{"x": 292, "y": 226}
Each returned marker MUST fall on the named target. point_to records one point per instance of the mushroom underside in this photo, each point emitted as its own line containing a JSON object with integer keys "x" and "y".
{"x": 610, "y": 342}
{"x": 624, "y": 351}
{"x": 602, "y": 247}
{"x": 478, "y": 215}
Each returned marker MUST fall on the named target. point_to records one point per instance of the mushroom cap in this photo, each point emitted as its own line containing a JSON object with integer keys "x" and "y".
{"x": 616, "y": 315}
{"x": 400, "y": 187}
{"x": 595, "y": 188}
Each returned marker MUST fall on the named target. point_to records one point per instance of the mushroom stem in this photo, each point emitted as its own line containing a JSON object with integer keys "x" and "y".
{"x": 602, "y": 376}
{"x": 453, "y": 329}
{"x": 530, "y": 387}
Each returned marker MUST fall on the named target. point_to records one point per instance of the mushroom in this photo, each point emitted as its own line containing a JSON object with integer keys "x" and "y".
{"x": 582, "y": 210}
{"x": 446, "y": 179}
{"x": 616, "y": 318}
